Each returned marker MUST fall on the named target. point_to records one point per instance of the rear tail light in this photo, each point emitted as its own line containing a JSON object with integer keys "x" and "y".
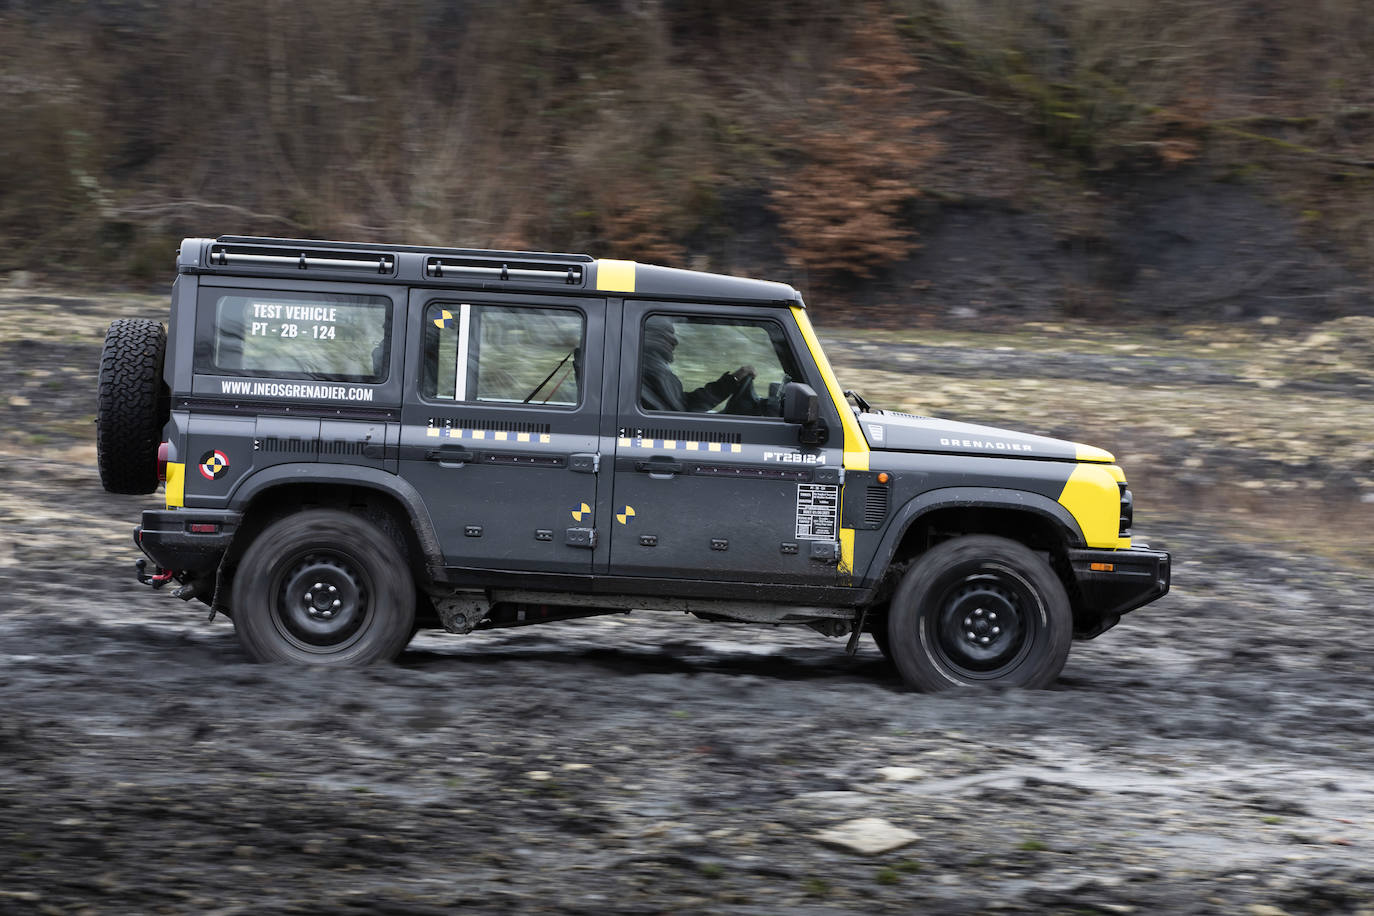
{"x": 203, "y": 528}
{"x": 162, "y": 462}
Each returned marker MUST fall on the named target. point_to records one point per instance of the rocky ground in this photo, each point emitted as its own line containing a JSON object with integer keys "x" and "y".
{"x": 1209, "y": 755}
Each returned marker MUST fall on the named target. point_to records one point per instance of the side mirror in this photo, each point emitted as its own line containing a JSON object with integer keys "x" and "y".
{"x": 800, "y": 404}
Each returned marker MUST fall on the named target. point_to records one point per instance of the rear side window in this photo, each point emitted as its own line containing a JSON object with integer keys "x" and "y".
{"x": 322, "y": 336}
{"x": 503, "y": 354}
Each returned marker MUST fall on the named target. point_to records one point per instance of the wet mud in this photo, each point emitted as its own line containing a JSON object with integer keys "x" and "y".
{"x": 1209, "y": 755}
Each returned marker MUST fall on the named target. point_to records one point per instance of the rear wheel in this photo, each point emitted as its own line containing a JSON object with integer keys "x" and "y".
{"x": 980, "y": 610}
{"x": 323, "y": 587}
{"x": 131, "y": 405}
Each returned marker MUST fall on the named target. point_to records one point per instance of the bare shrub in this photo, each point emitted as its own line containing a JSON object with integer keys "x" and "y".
{"x": 860, "y": 153}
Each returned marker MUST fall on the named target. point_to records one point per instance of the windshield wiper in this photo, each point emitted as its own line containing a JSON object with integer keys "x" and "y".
{"x": 858, "y": 399}
{"x": 540, "y": 386}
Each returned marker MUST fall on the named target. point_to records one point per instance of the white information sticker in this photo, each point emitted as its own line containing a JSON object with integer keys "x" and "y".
{"x": 818, "y": 511}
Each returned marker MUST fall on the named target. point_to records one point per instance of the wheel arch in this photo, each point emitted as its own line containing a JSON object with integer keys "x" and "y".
{"x": 1028, "y": 518}
{"x": 390, "y": 501}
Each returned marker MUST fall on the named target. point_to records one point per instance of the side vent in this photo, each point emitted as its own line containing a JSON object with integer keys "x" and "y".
{"x": 875, "y": 506}
{"x": 343, "y": 447}
{"x": 504, "y": 426}
{"x": 547, "y": 272}
{"x": 683, "y": 435}
{"x": 303, "y": 259}
{"x": 292, "y": 446}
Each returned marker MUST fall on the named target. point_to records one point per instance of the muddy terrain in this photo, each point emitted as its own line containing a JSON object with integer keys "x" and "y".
{"x": 1210, "y": 755}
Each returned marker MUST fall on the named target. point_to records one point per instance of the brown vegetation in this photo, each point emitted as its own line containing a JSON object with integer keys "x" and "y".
{"x": 736, "y": 137}
{"x": 861, "y": 151}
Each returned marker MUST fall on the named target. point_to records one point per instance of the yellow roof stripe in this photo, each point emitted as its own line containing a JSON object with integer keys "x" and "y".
{"x": 615, "y": 276}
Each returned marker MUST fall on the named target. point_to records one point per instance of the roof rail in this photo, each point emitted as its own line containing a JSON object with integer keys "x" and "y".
{"x": 314, "y": 258}
{"x": 550, "y": 256}
{"x": 505, "y": 269}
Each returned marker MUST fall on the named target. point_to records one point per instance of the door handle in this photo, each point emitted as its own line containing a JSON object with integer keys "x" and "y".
{"x": 659, "y": 465}
{"x": 449, "y": 455}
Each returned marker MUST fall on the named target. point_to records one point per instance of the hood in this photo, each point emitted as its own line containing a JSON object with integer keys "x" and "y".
{"x": 904, "y": 432}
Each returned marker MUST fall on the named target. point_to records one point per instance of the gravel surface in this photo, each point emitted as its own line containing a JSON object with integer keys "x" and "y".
{"x": 1209, "y": 755}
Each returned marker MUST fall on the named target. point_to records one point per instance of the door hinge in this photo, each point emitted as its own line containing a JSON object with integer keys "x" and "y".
{"x": 830, "y": 475}
{"x": 825, "y": 551}
{"x": 582, "y": 537}
{"x": 584, "y": 463}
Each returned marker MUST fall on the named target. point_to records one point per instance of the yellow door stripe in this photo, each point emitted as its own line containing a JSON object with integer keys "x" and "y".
{"x": 855, "y": 445}
{"x": 615, "y": 276}
{"x": 175, "y": 487}
{"x": 1093, "y": 498}
{"x": 846, "y": 552}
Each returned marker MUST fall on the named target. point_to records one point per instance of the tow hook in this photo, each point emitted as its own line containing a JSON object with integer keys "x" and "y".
{"x": 157, "y": 579}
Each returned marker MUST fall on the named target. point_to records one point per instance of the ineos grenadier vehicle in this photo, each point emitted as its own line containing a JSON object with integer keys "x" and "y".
{"x": 356, "y": 441}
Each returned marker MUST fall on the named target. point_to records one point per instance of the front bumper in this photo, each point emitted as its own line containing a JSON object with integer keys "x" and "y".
{"x": 1114, "y": 582}
{"x": 186, "y": 540}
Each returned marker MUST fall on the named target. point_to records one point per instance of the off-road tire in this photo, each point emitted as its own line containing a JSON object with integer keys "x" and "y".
{"x": 323, "y": 587}
{"x": 881, "y": 641}
{"x": 131, "y": 406}
{"x": 980, "y": 610}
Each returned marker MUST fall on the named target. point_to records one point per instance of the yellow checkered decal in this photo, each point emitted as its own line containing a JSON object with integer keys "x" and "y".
{"x": 487, "y": 435}
{"x": 685, "y": 445}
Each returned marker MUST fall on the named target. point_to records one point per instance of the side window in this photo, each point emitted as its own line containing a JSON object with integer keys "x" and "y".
{"x": 731, "y": 366}
{"x": 322, "y": 336}
{"x": 503, "y": 354}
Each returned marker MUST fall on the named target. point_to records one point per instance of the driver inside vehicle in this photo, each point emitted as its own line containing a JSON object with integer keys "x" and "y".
{"x": 661, "y": 389}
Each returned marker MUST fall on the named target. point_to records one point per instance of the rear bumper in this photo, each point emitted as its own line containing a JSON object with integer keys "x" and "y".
{"x": 1115, "y": 582}
{"x": 186, "y": 540}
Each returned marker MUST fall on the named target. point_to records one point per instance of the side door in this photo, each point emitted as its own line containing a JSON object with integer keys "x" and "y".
{"x": 709, "y": 481}
{"x": 499, "y": 433}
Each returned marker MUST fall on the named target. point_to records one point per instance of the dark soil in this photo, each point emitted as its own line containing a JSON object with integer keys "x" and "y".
{"x": 1209, "y": 755}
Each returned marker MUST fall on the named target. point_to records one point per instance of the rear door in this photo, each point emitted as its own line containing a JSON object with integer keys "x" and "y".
{"x": 500, "y": 434}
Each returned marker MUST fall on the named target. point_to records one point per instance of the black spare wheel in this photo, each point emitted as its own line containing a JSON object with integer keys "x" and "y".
{"x": 131, "y": 405}
{"x": 323, "y": 586}
{"x": 980, "y": 610}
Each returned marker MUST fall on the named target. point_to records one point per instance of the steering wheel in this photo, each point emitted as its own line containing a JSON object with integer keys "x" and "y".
{"x": 743, "y": 402}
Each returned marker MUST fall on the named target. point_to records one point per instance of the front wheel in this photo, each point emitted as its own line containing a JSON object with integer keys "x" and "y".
{"x": 323, "y": 587}
{"x": 980, "y": 610}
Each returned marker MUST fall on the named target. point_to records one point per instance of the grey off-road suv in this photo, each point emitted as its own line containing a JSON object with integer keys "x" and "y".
{"x": 356, "y": 441}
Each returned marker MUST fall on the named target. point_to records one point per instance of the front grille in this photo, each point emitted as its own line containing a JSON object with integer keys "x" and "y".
{"x": 875, "y": 505}
{"x": 1127, "y": 511}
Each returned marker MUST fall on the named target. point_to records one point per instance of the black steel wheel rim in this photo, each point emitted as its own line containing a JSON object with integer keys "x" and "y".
{"x": 984, "y": 623}
{"x": 321, "y": 601}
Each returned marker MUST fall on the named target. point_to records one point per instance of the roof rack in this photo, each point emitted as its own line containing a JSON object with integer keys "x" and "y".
{"x": 549, "y": 256}
{"x": 504, "y": 269}
{"x": 314, "y": 258}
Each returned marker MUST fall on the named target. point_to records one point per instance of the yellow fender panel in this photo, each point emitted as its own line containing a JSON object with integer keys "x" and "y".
{"x": 1092, "y": 453}
{"x": 1094, "y": 500}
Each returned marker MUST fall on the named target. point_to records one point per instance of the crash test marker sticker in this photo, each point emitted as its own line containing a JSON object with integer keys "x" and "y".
{"x": 213, "y": 464}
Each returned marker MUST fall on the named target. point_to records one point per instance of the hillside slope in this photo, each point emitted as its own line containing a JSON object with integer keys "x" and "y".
{"x": 924, "y": 159}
